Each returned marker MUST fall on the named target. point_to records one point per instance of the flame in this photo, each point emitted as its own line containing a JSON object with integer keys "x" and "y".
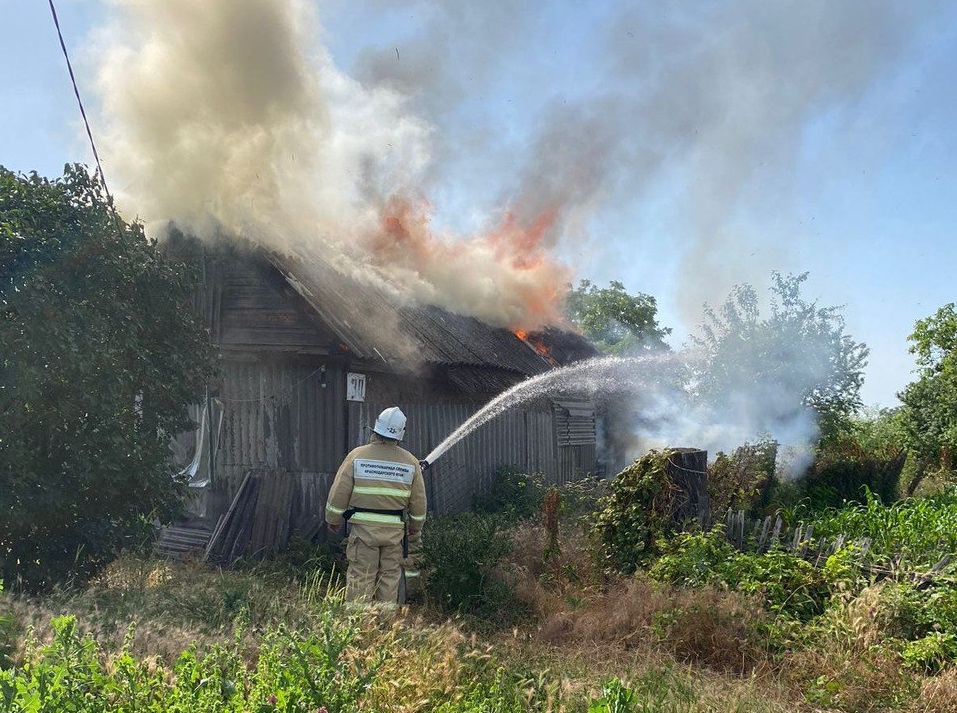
{"x": 504, "y": 276}
{"x": 536, "y": 342}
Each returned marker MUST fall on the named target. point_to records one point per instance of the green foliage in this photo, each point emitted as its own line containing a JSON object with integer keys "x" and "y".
{"x": 293, "y": 671}
{"x": 614, "y": 321}
{"x": 9, "y": 630}
{"x": 461, "y": 554}
{"x": 914, "y": 532}
{"x": 516, "y": 495}
{"x": 743, "y": 480}
{"x": 931, "y": 653}
{"x": 635, "y": 514}
{"x": 787, "y": 584}
{"x": 101, "y": 355}
{"x": 843, "y": 471}
{"x": 929, "y": 413}
{"x": 692, "y": 559}
{"x": 658, "y": 690}
{"x": 797, "y": 357}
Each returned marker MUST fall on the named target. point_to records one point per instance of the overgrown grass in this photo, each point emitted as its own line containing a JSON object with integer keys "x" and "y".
{"x": 522, "y": 617}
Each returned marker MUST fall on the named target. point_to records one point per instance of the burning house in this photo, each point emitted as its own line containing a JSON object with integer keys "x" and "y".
{"x": 311, "y": 355}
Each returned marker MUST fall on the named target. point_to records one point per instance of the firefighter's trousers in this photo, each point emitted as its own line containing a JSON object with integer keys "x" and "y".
{"x": 374, "y": 553}
{"x": 410, "y": 566}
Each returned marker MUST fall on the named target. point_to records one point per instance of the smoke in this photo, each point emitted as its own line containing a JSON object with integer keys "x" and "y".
{"x": 235, "y": 118}
{"x": 232, "y": 118}
{"x": 706, "y": 104}
{"x": 459, "y": 156}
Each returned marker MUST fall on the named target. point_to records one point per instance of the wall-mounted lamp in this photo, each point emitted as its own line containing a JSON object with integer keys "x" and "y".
{"x": 322, "y": 377}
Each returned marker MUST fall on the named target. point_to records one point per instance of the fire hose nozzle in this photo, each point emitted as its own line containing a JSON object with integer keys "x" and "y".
{"x": 424, "y": 464}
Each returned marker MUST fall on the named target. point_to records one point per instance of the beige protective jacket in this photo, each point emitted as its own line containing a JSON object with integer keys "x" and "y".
{"x": 379, "y": 476}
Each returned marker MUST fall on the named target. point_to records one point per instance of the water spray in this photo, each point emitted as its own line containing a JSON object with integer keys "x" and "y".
{"x": 601, "y": 376}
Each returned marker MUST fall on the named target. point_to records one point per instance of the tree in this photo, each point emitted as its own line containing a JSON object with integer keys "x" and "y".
{"x": 101, "y": 355}
{"x": 614, "y": 321}
{"x": 929, "y": 412}
{"x": 773, "y": 370}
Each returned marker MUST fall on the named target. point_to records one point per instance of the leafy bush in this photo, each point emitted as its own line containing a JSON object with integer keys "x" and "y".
{"x": 743, "y": 480}
{"x": 787, "y": 584}
{"x": 692, "y": 559}
{"x": 931, "y": 653}
{"x": 515, "y": 494}
{"x": 460, "y": 554}
{"x": 844, "y": 472}
{"x": 636, "y": 513}
{"x": 101, "y": 355}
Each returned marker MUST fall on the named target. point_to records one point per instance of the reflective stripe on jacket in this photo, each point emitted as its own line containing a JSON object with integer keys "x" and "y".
{"x": 379, "y": 476}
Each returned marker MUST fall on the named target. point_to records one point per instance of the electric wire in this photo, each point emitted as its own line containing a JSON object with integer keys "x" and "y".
{"x": 86, "y": 123}
{"x": 276, "y": 395}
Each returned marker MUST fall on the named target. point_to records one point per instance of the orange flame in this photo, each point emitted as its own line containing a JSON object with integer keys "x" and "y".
{"x": 504, "y": 275}
{"x": 536, "y": 342}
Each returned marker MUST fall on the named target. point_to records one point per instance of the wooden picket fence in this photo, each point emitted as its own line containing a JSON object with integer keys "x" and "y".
{"x": 760, "y": 535}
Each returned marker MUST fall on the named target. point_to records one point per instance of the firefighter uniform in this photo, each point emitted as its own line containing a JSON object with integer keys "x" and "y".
{"x": 378, "y": 488}
{"x": 411, "y": 576}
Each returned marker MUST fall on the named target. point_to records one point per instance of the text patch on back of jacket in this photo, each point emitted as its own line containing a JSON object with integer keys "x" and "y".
{"x": 383, "y": 470}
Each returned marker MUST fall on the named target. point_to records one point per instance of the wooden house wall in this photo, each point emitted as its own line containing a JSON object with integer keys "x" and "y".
{"x": 288, "y": 416}
{"x": 283, "y": 393}
{"x": 522, "y": 438}
{"x": 257, "y": 308}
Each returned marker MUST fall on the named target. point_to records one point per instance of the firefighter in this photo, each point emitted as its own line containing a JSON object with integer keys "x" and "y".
{"x": 380, "y": 491}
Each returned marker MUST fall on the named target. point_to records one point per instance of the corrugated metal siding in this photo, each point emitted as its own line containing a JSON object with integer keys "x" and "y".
{"x": 281, "y": 416}
{"x": 525, "y": 439}
{"x": 575, "y": 423}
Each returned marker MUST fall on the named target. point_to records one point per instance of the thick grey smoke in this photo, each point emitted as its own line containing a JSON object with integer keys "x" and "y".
{"x": 707, "y": 101}
{"x": 231, "y": 117}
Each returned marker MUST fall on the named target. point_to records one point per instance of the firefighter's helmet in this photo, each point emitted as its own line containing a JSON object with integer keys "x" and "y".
{"x": 391, "y": 424}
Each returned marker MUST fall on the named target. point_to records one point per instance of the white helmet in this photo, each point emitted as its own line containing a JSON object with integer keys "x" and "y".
{"x": 391, "y": 424}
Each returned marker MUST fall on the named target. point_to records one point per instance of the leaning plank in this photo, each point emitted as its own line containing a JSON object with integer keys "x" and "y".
{"x": 216, "y": 540}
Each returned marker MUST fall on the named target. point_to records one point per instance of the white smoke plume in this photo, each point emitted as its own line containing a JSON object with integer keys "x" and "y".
{"x": 231, "y": 117}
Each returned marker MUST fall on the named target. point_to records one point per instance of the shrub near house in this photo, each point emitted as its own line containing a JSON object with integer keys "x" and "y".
{"x": 100, "y": 356}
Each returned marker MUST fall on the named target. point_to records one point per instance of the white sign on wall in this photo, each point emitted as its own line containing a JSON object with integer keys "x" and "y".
{"x": 355, "y": 387}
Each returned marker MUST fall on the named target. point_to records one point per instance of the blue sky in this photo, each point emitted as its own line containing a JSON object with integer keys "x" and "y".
{"x": 696, "y": 144}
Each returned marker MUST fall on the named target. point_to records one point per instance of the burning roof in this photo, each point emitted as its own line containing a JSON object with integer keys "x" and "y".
{"x": 377, "y": 322}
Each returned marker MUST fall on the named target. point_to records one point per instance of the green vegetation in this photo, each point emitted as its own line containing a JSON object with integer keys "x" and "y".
{"x": 797, "y": 356}
{"x": 614, "y": 321}
{"x": 101, "y": 355}
{"x": 545, "y": 616}
{"x": 929, "y": 415}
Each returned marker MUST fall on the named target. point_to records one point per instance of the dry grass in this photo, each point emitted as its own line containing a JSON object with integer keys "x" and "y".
{"x": 170, "y": 606}
{"x": 574, "y": 602}
{"x": 706, "y": 648}
{"x": 938, "y": 695}
{"x": 847, "y": 667}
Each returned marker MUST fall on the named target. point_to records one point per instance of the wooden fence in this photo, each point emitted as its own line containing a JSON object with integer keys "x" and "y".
{"x": 760, "y": 535}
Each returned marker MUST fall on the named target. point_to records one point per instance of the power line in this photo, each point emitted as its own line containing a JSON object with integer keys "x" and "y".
{"x": 86, "y": 123}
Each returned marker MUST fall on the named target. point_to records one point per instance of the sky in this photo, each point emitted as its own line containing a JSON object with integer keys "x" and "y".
{"x": 677, "y": 147}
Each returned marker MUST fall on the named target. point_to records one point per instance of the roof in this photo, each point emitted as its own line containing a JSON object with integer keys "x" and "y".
{"x": 374, "y": 324}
